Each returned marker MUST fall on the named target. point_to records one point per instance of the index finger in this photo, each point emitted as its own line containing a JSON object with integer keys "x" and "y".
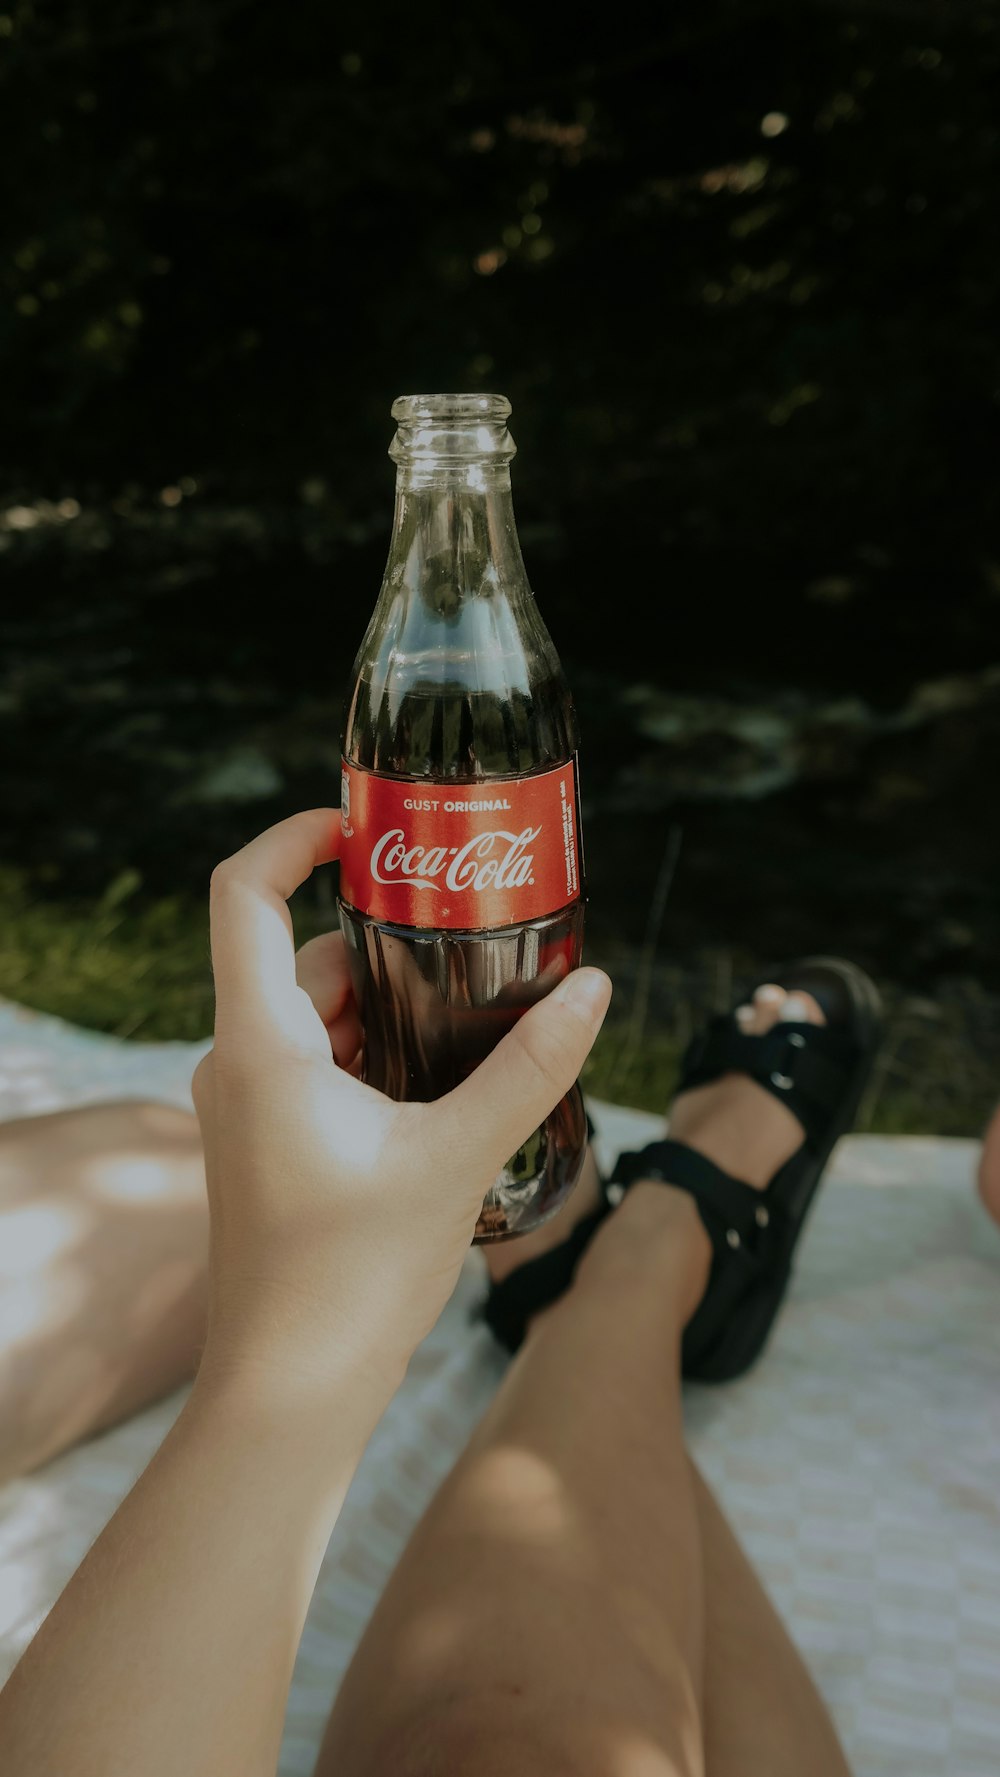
{"x": 253, "y": 950}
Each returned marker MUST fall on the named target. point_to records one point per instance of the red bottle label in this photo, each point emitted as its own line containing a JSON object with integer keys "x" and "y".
{"x": 462, "y": 856}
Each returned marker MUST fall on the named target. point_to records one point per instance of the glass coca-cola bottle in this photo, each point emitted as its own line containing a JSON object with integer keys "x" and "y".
{"x": 461, "y": 879}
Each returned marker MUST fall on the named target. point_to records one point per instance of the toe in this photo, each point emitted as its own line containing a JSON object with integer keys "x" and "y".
{"x": 766, "y": 1008}
{"x": 772, "y": 1004}
{"x": 801, "y": 1008}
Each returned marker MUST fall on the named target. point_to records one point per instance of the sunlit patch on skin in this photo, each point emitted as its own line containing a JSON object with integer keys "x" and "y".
{"x": 128, "y": 1178}
{"x": 509, "y": 1473}
{"x": 428, "y": 1644}
{"x": 39, "y": 1306}
{"x": 643, "y": 1755}
{"x": 36, "y": 1233}
{"x": 525, "y": 1501}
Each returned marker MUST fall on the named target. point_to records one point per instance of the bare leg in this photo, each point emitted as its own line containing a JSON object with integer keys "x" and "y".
{"x": 547, "y": 1616}
{"x": 574, "y": 1601}
{"x": 103, "y": 1247}
{"x": 763, "y": 1715}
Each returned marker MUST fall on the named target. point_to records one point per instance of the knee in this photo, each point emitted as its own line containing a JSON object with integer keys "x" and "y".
{"x": 486, "y": 1737}
{"x": 455, "y": 1743}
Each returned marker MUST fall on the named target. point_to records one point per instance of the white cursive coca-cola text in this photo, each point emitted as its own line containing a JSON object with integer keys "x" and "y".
{"x": 481, "y": 863}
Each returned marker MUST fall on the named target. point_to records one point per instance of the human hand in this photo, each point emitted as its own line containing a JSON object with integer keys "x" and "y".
{"x": 340, "y": 1219}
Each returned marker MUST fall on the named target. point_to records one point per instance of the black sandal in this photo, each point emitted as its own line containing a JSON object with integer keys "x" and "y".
{"x": 819, "y": 1071}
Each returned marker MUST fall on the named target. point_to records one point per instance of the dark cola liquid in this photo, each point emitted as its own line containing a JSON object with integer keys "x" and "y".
{"x": 433, "y": 1004}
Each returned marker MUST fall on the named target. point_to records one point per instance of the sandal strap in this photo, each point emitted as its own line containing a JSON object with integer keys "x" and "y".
{"x": 734, "y": 1213}
{"x": 805, "y": 1066}
{"x": 533, "y": 1285}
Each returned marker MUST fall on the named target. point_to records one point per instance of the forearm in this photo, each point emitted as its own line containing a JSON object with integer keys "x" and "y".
{"x": 171, "y": 1650}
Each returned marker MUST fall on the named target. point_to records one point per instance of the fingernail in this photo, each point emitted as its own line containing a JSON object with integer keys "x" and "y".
{"x": 769, "y": 994}
{"x": 589, "y": 990}
{"x": 745, "y": 1014}
{"x": 795, "y": 1010}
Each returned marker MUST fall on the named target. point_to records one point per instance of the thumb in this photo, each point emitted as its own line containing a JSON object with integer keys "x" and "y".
{"x": 490, "y": 1114}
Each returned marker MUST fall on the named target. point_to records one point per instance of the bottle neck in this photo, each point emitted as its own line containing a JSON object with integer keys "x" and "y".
{"x": 454, "y": 536}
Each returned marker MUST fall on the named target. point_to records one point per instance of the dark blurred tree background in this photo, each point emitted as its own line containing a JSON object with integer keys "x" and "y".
{"x": 737, "y": 270}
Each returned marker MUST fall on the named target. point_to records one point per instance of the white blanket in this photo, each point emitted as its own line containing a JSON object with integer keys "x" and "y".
{"x": 860, "y": 1462}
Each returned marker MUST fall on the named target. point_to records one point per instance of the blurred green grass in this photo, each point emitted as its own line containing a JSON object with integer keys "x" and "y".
{"x": 141, "y": 969}
{"x": 131, "y": 970}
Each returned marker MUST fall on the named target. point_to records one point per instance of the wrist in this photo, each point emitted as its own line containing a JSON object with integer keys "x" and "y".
{"x": 325, "y": 1410}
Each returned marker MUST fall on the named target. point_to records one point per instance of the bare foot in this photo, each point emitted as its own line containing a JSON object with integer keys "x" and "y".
{"x": 732, "y": 1120}
{"x": 736, "y": 1122}
{"x": 989, "y": 1167}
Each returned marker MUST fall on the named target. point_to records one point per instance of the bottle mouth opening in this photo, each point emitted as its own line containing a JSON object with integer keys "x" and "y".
{"x": 442, "y": 431}
{"x": 450, "y": 409}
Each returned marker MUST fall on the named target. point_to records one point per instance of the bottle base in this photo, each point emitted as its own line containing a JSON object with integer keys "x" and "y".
{"x": 539, "y": 1178}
